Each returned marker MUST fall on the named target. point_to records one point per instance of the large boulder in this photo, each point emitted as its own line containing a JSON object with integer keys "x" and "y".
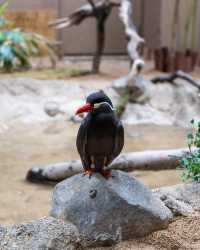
{"x": 29, "y": 100}
{"x": 145, "y": 114}
{"x": 42, "y": 234}
{"x": 167, "y": 105}
{"x": 107, "y": 211}
{"x": 135, "y": 88}
{"x": 182, "y": 199}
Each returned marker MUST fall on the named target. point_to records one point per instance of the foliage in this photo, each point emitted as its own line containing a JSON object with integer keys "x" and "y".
{"x": 190, "y": 163}
{"x": 17, "y": 46}
{"x": 124, "y": 99}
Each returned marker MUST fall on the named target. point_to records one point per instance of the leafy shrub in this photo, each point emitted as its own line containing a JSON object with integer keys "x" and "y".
{"x": 17, "y": 46}
{"x": 190, "y": 163}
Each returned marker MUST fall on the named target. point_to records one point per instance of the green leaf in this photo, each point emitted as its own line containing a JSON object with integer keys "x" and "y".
{"x": 3, "y": 8}
{"x": 190, "y": 139}
{"x": 6, "y": 52}
{"x": 2, "y": 37}
{"x": 15, "y": 36}
{"x": 22, "y": 57}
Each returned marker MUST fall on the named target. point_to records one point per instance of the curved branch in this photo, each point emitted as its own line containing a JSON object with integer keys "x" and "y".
{"x": 90, "y": 9}
{"x": 92, "y": 4}
{"x": 134, "y": 40}
{"x": 177, "y": 75}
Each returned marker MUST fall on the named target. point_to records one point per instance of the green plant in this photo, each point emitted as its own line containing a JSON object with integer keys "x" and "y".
{"x": 17, "y": 46}
{"x": 190, "y": 162}
{"x": 121, "y": 106}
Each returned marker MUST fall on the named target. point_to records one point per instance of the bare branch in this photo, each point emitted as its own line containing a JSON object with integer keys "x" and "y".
{"x": 134, "y": 40}
{"x": 177, "y": 75}
{"x": 90, "y": 9}
{"x": 75, "y": 18}
{"x": 92, "y": 4}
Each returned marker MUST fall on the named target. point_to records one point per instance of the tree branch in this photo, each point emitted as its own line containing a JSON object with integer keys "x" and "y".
{"x": 134, "y": 40}
{"x": 92, "y": 4}
{"x": 177, "y": 75}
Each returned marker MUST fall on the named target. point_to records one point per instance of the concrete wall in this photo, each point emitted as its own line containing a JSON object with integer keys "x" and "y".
{"x": 33, "y": 15}
{"x": 33, "y": 4}
{"x": 167, "y": 24}
{"x": 152, "y": 16}
{"x": 82, "y": 38}
{"x": 154, "y": 19}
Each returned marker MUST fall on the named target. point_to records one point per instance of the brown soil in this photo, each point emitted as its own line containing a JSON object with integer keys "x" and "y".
{"x": 183, "y": 233}
{"x": 24, "y": 147}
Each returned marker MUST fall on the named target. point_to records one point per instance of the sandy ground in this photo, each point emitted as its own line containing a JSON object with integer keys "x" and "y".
{"x": 182, "y": 234}
{"x": 25, "y": 146}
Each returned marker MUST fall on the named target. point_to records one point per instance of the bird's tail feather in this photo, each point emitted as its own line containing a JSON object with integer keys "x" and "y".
{"x": 99, "y": 163}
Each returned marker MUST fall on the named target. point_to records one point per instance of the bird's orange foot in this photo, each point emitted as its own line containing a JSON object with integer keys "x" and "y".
{"x": 106, "y": 173}
{"x": 88, "y": 172}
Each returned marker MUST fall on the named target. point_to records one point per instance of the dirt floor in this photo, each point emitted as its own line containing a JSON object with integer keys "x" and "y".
{"x": 182, "y": 234}
{"x": 23, "y": 147}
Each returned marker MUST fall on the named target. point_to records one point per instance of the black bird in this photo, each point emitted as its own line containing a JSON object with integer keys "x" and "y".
{"x": 100, "y": 137}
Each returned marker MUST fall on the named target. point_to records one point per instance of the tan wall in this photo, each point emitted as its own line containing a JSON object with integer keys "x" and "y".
{"x": 152, "y": 23}
{"x": 82, "y": 38}
{"x": 167, "y": 22}
{"x": 33, "y": 4}
{"x": 154, "y": 19}
{"x": 33, "y": 15}
{"x": 27, "y": 21}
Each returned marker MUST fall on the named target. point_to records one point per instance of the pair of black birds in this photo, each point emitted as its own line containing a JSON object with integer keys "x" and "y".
{"x": 100, "y": 137}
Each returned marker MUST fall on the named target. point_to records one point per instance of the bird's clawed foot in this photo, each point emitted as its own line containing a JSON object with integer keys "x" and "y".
{"x": 88, "y": 172}
{"x": 106, "y": 173}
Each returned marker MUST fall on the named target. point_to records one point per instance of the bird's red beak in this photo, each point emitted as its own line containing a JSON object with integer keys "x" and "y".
{"x": 85, "y": 108}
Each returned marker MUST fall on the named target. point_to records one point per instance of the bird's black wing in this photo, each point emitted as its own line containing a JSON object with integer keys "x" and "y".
{"x": 81, "y": 142}
{"x": 119, "y": 139}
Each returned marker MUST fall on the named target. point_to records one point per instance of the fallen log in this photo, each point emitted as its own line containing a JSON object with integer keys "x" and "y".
{"x": 145, "y": 160}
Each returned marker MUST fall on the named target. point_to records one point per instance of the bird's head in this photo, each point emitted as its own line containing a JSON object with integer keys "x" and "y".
{"x": 96, "y": 102}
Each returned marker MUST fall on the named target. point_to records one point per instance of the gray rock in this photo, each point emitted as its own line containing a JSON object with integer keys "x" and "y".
{"x": 182, "y": 199}
{"x": 52, "y": 109}
{"x": 42, "y": 234}
{"x": 167, "y": 105}
{"x": 145, "y": 114}
{"x": 177, "y": 207}
{"x": 29, "y": 100}
{"x": 135, "y": 86}
{"x": 107, "y": 211}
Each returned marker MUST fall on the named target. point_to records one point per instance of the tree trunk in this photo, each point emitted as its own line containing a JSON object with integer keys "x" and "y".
{"x": 99, "y": 45}
{"x": 146, "y": 160}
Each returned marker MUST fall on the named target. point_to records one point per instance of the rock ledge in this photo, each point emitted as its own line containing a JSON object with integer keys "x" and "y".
{"x": 107, "y": 211}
